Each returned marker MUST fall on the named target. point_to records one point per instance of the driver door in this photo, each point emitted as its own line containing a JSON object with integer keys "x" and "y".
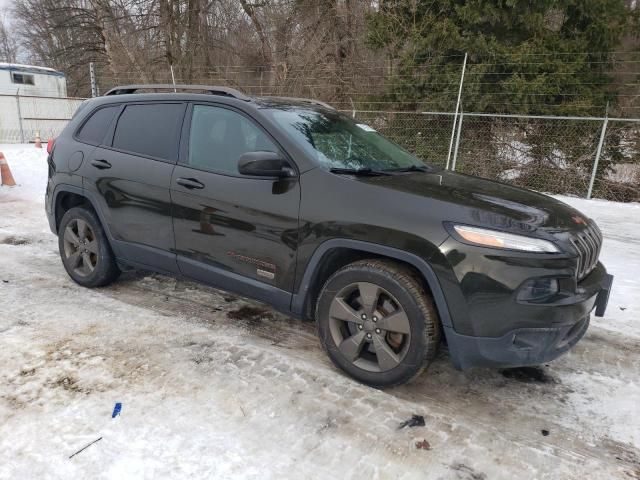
{"x": 235, "y": 232}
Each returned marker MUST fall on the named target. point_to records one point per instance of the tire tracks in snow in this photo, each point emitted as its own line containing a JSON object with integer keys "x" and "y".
{"x": 467, "y": 401}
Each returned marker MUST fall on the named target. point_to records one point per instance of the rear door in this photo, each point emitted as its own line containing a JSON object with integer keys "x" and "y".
{"x": 130, "y": 175}
{"x": 233, "y": 231}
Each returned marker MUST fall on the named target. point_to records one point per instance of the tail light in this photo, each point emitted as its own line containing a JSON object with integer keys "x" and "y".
{"x": 50, "y": 145}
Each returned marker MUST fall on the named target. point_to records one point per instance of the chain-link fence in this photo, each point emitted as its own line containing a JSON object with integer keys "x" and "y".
{"x": 582, "y": 156}
{"x": 23, "y": 117}
{"x": 544, "y": 153}
{"x": 578, "y": 155}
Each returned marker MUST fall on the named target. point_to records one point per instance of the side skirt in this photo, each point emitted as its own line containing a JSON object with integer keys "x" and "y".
{"x": 234, "y": 283}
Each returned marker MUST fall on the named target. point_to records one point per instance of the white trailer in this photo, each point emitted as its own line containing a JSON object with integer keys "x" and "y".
{"x": 31, "y": 80}
{"x": 33, "y": 101}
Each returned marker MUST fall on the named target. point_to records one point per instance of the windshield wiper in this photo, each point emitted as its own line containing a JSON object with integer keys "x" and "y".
{"x": 359, "y": 171}
{"x": 412, "y": 168}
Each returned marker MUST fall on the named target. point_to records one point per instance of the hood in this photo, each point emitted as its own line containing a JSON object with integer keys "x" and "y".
{"x": 488, "y": 203}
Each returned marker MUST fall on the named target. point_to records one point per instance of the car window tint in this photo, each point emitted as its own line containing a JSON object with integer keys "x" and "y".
{"x": 220, "y": 136}
{"x": 149, "y": 130}
{"x": 94, "y": 129}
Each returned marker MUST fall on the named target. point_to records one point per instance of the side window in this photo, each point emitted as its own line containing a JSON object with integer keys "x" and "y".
{"x": 94, "y": 129}
{"x": 220, "y": 136}
{"x": 22, "y": 79}
{"x": 150, "y": 130}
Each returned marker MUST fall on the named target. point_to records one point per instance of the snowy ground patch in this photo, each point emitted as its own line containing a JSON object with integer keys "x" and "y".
{"x": 213, "y": 386}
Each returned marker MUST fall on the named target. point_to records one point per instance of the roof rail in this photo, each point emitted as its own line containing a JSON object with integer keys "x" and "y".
{"x": 310, "y": 100}
{"x": 214, "y": 90}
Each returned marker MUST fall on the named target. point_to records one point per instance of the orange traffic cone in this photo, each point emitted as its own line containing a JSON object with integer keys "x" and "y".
{"x": 5, "y": 172}
{"x": 38, "y": 140}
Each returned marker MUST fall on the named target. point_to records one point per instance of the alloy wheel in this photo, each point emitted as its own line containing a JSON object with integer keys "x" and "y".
{"x": 80, "y": 247}
{"x": 369, "y": 327}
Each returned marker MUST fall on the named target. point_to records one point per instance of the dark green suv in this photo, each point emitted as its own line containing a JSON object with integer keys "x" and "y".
{"x": 292, "y": 203}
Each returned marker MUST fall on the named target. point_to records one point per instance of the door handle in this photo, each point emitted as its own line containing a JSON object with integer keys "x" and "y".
{"x": 190, "y": 183}
{"x": 101, "y": 164}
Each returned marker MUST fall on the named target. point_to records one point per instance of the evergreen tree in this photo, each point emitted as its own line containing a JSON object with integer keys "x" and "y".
{"x": 542, "y": 57}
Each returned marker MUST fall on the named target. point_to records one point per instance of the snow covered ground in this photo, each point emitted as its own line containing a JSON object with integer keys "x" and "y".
{"x": 213, "y": 386}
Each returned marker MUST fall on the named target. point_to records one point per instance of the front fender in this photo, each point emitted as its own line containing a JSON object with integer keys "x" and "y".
{"x": 313, "y": 266}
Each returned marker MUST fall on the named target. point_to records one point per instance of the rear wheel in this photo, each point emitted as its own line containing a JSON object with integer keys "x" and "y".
{"x": 84, "y": 249}
{"x": 377, "y": 323}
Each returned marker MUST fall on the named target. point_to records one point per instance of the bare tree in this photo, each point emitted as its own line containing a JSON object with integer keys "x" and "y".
{"x": 8, "y": 43}
{"x": 251, "y": 9}
{"x": 263, "y": 46}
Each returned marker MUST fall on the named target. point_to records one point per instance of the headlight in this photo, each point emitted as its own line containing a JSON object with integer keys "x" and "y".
{"x": 497, "y": 239}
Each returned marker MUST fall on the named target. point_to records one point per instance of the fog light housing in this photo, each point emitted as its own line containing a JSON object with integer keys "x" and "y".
{"x": 537, "y": 289}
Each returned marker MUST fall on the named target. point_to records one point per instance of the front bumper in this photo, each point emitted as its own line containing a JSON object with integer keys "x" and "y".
{"x": 528, "y": 346}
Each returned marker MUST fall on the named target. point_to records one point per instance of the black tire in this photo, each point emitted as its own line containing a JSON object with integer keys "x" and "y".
{"x": 409, "y": 333}
{"x": 84, "y": 249}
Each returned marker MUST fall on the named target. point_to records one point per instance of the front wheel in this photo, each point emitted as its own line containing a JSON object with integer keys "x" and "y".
{"x": 377, "y": 323}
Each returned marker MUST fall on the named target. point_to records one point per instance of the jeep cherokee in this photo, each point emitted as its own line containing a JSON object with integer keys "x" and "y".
{"x": 295, "y": 204}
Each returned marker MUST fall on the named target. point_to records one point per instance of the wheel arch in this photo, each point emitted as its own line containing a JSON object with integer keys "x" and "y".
{"x": 65, "y": 197}
{"x": 338, "y": 252}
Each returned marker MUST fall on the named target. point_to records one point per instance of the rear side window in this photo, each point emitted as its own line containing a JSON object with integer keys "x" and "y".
{"x": 151, "y": 130}
{"x": 94, "y": 129}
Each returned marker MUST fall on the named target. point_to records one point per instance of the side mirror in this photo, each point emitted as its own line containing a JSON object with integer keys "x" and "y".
{"x": 265, "y": 164}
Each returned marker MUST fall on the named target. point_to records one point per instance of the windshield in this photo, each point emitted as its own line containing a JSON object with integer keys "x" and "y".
{"x": 336, "y": 141}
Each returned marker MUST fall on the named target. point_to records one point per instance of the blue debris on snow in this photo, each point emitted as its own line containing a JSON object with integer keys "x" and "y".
{"x": 116, "y": 410}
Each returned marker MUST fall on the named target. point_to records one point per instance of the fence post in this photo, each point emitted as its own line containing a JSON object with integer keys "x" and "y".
{"x": 173, "y": 79}
{"x": 92, "y": 76}
{"x": 19, "y": 116}
{"x": 597, "y": 159}
{"x": 455, "y": 118}
{"x": 455, "y": 151}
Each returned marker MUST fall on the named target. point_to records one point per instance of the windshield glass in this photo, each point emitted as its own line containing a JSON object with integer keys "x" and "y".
{"x": 336, "y": 141}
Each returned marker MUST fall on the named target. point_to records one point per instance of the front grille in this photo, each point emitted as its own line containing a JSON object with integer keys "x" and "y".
{"x": 587, "y": 243}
